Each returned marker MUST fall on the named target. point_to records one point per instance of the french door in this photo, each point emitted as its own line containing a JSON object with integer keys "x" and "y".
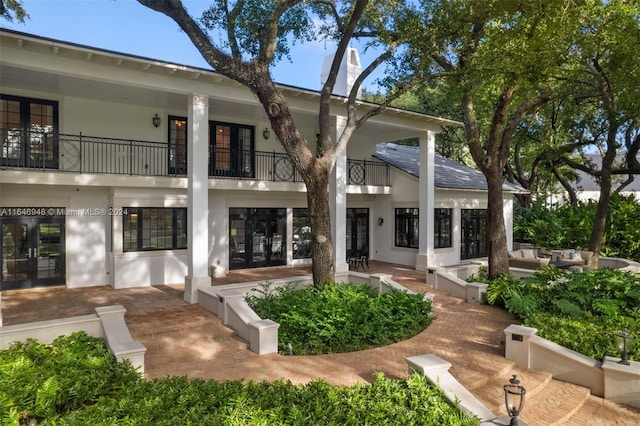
{"x": 28, "y": 132}
{"x": 257, "y": 237}
{"x": 32, "y": 251}
{"x": 474, "y": 234}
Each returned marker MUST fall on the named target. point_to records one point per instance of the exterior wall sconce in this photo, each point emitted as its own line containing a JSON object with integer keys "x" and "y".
{"x": 625, "y": 340}
{"x": 380, "y": 221}
{"x": 266, "y": 133}
{"x": 514, "y": 394}
{"x": 156, "y": 120}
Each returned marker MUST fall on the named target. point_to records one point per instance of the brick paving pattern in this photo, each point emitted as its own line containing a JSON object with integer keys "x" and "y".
{"x": 188, "y": 340}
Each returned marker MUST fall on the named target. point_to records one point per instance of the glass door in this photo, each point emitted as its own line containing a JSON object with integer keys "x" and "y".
{"x": 28, "y": 130}
{"x": 474, "y": 234}
{"x": 32, "y": 252}
{"x": 257, "y": 238}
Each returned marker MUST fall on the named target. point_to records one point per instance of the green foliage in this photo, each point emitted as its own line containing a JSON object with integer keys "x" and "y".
{"x": 179, "y": 400}
{"x": 570, "y": 226}
{"x": 49, "y": 378}
{"x": 581, "y": 310}
{"x": 39, "y": 381}
{"x": 341, "y": 317}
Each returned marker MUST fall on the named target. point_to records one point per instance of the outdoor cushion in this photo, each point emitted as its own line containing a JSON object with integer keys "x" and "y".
{"x": 576, "y": 255}
{"x": 528, "y": 254}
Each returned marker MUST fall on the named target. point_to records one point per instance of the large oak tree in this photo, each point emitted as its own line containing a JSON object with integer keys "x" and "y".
{"x": 254, "y": 34}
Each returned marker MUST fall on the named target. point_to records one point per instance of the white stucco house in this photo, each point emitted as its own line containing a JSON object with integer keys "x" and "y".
{"x": 128, "y": 171}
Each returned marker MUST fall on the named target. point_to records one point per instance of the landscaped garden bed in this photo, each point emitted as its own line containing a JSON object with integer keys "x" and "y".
{"x": 582, "y": 311}
{"x": 340, "y": 317}
{"x": 76, "y": 381}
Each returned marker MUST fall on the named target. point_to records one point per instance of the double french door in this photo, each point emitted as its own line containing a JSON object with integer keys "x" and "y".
{"x": 257, "y": 237}
{"x": 32, "y": 251}
{"x": 473, "y": 243}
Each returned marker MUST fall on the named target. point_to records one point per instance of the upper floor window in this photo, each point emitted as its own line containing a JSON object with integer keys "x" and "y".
{"x": 28, "y": 132}
{"x": 177, "y": 145}
{"x": 442, "y": 228}
{"x": 231, "y": 148}
{"x": 406, "y": 228}
{"x": 154, "y": 228}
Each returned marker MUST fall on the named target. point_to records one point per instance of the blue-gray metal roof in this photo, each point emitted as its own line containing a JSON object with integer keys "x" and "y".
{"x": 448, "y": 174}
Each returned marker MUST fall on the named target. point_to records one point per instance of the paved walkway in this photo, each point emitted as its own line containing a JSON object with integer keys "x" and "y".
{"x": 184, "y": 339}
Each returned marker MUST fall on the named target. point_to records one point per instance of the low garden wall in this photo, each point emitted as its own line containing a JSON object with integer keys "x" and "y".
{"x": 608, "y": 379}
{"x": 228, "y": 303}
{"x": 107, "y": 323}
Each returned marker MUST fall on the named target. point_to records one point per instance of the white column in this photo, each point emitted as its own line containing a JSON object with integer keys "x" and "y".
{"x": 338, "y": 200}
{"x": 197, "y": 197}
{"x": 426, "y": 201}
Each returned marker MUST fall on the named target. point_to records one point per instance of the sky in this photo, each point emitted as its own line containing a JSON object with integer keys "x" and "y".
{"x": 128, "y": 27}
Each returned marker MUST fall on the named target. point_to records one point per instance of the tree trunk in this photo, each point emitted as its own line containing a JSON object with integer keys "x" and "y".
{"x": 496, "y": 231}
{"x": 600, "y": 221}
{"x": 323, "y": 268}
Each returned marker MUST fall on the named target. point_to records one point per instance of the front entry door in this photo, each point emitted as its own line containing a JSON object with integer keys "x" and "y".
{"x": 257, "y": 237}
{"x": 32, "y": 252}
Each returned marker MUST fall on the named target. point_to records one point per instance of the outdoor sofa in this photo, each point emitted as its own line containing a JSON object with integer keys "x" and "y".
{"x": 527, "y": 259}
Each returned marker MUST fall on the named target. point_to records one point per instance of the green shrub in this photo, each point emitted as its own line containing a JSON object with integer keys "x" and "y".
{"x": 39, "y": 381}
{"x": 341, "y": 317}
{"x": 178, "y": 400}
{"x": 75, "y": 381}
{"x": 581, "y": 310}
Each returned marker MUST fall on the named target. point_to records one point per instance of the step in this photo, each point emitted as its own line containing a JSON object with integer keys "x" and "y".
{"x": 548, "y": 402}
{"x": 555, "y": 404}
{"x": 597, "y": 411}
{"x": 491, "y": 393}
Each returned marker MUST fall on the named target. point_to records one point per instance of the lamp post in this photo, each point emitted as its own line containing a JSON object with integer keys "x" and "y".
{"x": 625, "y": 339}
{"x": 514, "y": 394}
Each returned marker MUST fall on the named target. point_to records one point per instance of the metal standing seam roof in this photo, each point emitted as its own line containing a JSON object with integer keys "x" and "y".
{"x": 448, "y": 174}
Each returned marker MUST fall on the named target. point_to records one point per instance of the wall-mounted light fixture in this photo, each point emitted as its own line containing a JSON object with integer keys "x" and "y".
{"x": 380, "y": 221}
{"x": 156, "y": 120}
{"x": 266, "y": 133}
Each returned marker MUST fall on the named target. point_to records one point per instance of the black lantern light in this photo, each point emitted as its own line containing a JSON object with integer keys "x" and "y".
{"x": 266, "y": 133}
{"x": 156, "y": 120}
{"x": 625, "y": 339}
{"x": 514, "y": 399}
{"x": 380, "y": 221}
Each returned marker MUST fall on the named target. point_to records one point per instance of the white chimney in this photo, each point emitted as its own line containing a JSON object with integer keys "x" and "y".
{"x": 350, "y": 69}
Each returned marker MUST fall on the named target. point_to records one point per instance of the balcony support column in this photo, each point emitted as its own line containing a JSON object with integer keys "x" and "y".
{"x": 197, "y": 197}
{"x": 426, "y": 201}
{"x": 338, "y": 200}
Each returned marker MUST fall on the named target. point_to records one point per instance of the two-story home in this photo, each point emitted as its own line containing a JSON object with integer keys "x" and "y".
{"x": 128, "y": 171}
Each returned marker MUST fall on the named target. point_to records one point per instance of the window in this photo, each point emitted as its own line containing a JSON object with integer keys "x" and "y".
{"x": 231, "y": 149}
{"x": 301, "y": 234}
{"x": 28, "y": 132}
{"x": 406, "y": 228}
{"x": 442, "y": 228}
{"x": 150, "y": 228}
{"x": 177, "y": 145}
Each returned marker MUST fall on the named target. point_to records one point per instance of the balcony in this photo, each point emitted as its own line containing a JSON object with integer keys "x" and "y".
{"x": 98, "y": 155}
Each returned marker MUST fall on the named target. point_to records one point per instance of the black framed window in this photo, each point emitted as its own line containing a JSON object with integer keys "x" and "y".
{"x": 28, "y": 132}
{"x": 177, "y": 145}
{"x": 232, "y": 147}
{"x": 406, "y": 228}
{"x": 442, "y": 228}
{"x": 154, "y": 228}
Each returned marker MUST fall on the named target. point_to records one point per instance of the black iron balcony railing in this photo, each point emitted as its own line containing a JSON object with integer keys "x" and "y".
{"x": 91, "y": 154}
